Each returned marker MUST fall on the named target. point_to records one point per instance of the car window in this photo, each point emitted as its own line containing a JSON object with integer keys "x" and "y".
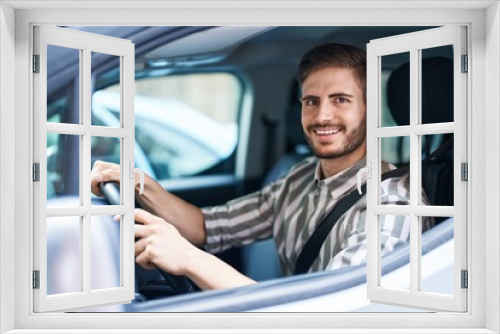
{"x": 185, "y": 124}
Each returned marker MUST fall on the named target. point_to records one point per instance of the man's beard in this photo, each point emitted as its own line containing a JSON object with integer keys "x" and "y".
{"x": 354, "y": 140}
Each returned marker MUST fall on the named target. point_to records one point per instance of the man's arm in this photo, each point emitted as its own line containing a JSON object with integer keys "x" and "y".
{"x": 187, "y": 218}
{"x": 167, "y": 234}
{"x": 160, "y": 245}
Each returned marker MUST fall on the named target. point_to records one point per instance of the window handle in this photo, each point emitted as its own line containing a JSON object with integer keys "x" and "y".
{"x": 134, "y": 170}
{"x": 365, "y": 170}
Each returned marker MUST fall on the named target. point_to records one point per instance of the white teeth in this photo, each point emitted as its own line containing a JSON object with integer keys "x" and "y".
{"x": 329, "y": 132}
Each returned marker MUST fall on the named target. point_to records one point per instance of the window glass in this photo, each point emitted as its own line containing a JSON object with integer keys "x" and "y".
{"x": 437, "y": 262}
{"x": 395, "y": 105}
{"x": 437, "y": 176}
{"x": 57, "y": 108}
{"x": 63, "y": 169}
{"x": 106, "y": 149}
{"x": 394, "y": 233}
{"x": 395, "y": 152}
{"x": 63, "y": 255}
{"x": 61, "y": 62}
{"x": 106, "y": 107}
{"x": 184, "y": 124}
{"x": 436, "y": 85}
{"x": 105, "y": 250}
{"x": 395, "y": 89}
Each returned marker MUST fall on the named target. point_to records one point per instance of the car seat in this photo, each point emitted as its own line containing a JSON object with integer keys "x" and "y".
{"x": 261, "y": 258}
{"x": 297, "y": 148}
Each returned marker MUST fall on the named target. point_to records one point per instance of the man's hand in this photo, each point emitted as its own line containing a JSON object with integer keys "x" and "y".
{"x": 187, "y": 218}
{"x": 103, "y": 172}
{"x": 161, "y": 245}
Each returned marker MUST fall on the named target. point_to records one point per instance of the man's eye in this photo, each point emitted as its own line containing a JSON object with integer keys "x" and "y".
{"x": 342, "y": 100}
{"x": 311, "y": 103}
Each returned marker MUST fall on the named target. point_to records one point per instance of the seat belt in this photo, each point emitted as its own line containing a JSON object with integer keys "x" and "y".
{"x": 311, "y": 250}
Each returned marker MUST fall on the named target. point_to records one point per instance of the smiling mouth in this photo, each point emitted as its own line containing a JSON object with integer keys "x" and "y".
{"x": 326, "y": 132}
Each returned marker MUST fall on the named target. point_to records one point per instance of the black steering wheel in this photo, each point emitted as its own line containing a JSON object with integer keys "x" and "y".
{"x": 177, "y": 284}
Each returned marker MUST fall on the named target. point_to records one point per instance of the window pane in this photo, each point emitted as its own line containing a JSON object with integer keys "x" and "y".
{"x": 186, "y": 124}
{"x": 106, "y": 105}
{"x": 395, "y": 89}
{"x": 105, "y": 248}
{"x": 437, "y": 85}
{"x": 394, "y": 236}
{"x": 395, "y": 153}
{"x": 63, "y": 255}
{"x": 63, "y": 170}
{"x": 63, "y": 102}
{"x": 106, "y": 149}
{"x": 437, "y": 169}
{"x": 437, "y": 255}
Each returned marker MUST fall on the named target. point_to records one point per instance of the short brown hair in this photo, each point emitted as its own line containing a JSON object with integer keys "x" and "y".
{"x": 336, "y": 55}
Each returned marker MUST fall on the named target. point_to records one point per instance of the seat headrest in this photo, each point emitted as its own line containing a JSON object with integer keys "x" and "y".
{"x": 294, "y": 132}
{"x": 437, "y": 92}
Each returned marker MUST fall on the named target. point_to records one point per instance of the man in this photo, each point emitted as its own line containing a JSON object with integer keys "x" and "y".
{"x": 333, "y": 82}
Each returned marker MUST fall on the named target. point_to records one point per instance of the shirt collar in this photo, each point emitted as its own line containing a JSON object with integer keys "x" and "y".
{"x": 342, "y": 182}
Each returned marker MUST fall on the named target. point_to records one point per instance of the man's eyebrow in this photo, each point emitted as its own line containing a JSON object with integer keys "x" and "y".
{"x": 340, "y": 95}
{"x": 308, "y": 97}
{"x": 314, "y": 97}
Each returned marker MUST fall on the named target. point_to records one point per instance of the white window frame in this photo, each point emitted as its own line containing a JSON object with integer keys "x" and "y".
{"x": 482, "y": 315}
{"x": 413, "y": 43}
{"x": 85, "y": 43}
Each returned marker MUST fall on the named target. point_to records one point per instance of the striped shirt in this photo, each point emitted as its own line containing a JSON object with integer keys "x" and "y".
{"x": 290, "y": 209}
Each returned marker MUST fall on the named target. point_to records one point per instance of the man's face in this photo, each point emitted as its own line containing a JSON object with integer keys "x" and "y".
{"x": 333, "y": 112}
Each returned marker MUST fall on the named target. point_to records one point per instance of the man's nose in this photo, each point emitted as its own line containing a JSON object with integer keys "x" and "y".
{"x": 325, "y": 111}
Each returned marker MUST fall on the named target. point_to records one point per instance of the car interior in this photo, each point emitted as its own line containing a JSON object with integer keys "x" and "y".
{"x": 263, "y": 136}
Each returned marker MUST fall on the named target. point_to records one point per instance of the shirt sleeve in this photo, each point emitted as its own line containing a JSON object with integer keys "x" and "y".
{"x": 240, "y": 221}
{"x": 352, "y": 236}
